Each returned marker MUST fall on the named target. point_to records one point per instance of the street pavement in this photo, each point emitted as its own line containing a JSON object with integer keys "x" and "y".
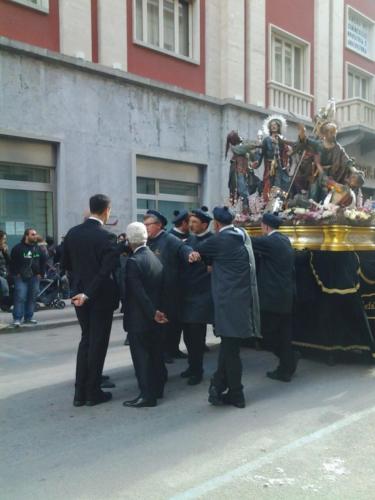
{"x": 311, "y": 438}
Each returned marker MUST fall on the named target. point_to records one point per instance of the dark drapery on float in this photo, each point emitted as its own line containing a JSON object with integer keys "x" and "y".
{"x": 333, "y": 301}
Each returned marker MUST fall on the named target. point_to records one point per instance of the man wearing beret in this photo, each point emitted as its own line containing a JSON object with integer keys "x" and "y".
{"x": 180, "y": 223}
{"x": 276, "y": 290}
{"x": 235, "y": 297}
{"x": 180, "y": 230}
{"x": 197, "y": 305}
{"x": 172, "y": 253}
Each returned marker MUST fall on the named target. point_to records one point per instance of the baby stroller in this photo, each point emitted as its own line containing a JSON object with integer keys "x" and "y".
{"x": 52, "y": 290}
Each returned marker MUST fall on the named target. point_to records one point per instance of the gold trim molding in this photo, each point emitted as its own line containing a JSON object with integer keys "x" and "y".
{"x": 333, "y": 238}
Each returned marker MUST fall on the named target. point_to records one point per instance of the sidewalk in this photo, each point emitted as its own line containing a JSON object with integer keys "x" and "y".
{"x": 47, "y": 318}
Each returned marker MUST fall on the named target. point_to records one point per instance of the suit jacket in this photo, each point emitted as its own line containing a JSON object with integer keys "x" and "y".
{"x": 197, "y": 304}
{"x": 231, "y": 283}
{"x": 143, "y": 289}
{"x": 172, "y": 253}
{"x": 91, "y": 255}
{"x": 276, "y": 276}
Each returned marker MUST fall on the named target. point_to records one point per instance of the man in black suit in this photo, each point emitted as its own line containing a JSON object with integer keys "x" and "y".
{"x": 197, "y": 305}
{"x": 276, "y": 287}
{"x": 90, "y": 254}
{"x": 142, "y": 317}
{"x": 173, "y": 254}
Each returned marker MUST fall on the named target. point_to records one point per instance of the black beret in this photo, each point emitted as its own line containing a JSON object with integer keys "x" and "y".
{"x": 180, "y": 216}
{"x": 223, "y": 215}
{"x": 202, "y": 214}
{"x": 158, "y": 215}
{"x": 271, "y": 220}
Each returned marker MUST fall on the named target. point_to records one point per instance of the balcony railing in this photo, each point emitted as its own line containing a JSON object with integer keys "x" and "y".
{"x": 284, "y": 100}
{"x": 355, "y": 111}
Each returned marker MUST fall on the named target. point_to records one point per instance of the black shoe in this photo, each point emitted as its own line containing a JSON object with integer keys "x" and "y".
{"x": 103, "y": 378}
{"x": 238, "y": 401}
{"x": 79, "y": 398}
{"x": 102, "y": 397}
{"x": 179, "y": 355}
{"x": 79, "y": 401}
{"x": 214, "y": 395}
{"x": 107, "y": 385}
{"x": 160, "y": 394}
{"x": 276, "y": 375}
{"x": 195, "y": 379}
{"x": 186, "y": 374}
{"x": 140, "y": 403}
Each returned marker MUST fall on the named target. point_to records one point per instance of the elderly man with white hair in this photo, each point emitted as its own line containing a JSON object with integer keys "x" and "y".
{"x": 142, "y": 317}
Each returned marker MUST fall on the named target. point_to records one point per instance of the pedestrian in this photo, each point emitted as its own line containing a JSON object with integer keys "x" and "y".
{"x": 180, "y": 230}
{"x": 4, "y": 268}
{"x": 197, "y": 305}
{"x": 142, "y": 317}
{"x": 236, "y": 307}
{"x": 28, "y": 263}
{"x": 91, "y": 255}
{"x": 173, "y": 253}
{"x": 276, "y": 285}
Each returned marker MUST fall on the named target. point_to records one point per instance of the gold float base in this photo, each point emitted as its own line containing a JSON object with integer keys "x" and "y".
{"x": 333, "y": 238}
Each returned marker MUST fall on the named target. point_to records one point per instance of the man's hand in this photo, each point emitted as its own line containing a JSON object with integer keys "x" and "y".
{"x": 160, "y": 317}
{"x": 194, "y": 257}
{"x": 79, "y": 299}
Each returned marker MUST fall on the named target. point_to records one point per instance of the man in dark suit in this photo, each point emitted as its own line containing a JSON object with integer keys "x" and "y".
{"x": 180, "y": 230}
{"x": 172, "y": 253}
{"x": 90, "y": 254}
{"x": 276, "y": 287}
{"x": 234, "y": 295}
{"x": 142, "y": 317}
{"x": 197, "y": 305}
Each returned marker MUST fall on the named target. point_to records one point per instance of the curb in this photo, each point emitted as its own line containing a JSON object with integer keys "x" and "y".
{"x": 47, "y": 325}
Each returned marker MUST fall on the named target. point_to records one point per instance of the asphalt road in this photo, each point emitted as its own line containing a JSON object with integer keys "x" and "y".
{"x": 312, "y": 438}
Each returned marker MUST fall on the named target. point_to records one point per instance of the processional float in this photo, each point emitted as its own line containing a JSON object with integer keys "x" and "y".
{"x": 315, "y": 188}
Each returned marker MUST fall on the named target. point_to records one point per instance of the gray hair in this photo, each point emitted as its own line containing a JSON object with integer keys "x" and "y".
{"x": 136, "y": 233}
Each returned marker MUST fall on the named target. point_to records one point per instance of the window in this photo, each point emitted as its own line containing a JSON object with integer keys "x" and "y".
{"x": 360, "y": 35}
{"x": 166, "y": 25}
{"x": 42, "y": 5}
{"x": 288, "y": 62}
{"x": 26, "y": 187}
{"x": 359, "y": 85}
{"x": 165, "y": 196}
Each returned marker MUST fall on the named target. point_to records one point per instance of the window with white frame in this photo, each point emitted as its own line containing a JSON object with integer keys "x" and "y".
{"x": 42, "y": 5}
{"x": 359, "y": 84}
{"x": 289, "y": 62}
{"x": 360, "y": 34}
{"x": 166, "y": 24}
{"x": 166, "y": 186}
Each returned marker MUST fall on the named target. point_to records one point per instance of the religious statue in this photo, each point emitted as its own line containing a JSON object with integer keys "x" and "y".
{"x": 242, "y": 179}
{"x": 275, "y": 154}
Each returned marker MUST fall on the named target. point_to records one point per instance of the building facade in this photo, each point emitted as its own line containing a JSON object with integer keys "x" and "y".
{"x": 135, "y": 97}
